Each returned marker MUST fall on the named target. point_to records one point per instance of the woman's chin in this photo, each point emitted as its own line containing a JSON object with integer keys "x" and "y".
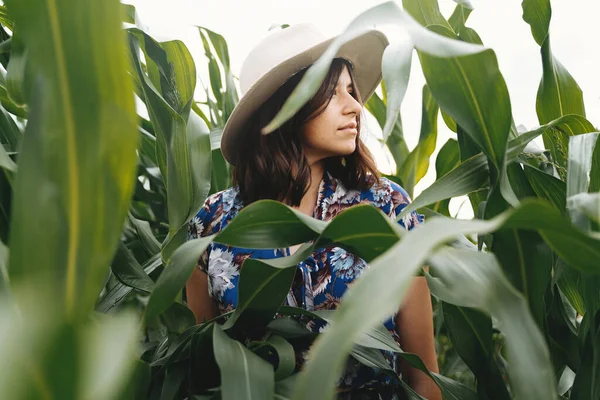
{"x": 345, "y": 151}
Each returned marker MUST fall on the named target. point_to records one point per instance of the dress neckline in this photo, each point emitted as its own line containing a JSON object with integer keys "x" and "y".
{"x": 321, "y": 193}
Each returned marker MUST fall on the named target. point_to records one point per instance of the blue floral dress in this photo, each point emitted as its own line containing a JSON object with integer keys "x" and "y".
{"x": 325, "y": 275}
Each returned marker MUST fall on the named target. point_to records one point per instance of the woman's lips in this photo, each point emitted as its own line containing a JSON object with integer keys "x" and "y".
{"x": 349, "y": 125}
{"x": 349, "y": 128}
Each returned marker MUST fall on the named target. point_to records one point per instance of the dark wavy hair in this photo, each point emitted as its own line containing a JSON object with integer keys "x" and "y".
{"x": 275, "y": 167}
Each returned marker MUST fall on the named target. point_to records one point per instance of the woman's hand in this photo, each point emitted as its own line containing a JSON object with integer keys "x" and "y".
{"x": 415, "y": 328}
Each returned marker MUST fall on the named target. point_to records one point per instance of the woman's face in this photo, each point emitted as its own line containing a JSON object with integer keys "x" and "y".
{"x": 334, "y": 131}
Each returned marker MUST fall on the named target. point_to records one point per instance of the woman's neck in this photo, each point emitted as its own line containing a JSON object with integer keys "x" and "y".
{"x": 309, "y": 200}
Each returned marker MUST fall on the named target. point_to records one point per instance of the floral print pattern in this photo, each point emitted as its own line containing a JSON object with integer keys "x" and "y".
{"x": 321, "y": 279}
{"x": 221, "y": 273}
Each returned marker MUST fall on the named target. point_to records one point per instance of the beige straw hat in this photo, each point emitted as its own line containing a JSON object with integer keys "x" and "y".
{"x": 283, "y": 53}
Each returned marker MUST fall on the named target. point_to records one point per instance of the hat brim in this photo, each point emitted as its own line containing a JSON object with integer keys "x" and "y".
{"x": 364, "y": 52}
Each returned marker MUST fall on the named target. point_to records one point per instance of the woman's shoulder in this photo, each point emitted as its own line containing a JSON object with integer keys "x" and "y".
{"x": 216, "y": 208}
{"x": 391, "y": 198}
{"x": 387, "y": 191}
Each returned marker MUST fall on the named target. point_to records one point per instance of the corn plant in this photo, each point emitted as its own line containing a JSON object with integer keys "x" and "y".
{"x": 95, "y": 202}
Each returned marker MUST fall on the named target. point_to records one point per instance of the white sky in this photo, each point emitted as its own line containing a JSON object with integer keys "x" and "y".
{"x": 574, "y": 35}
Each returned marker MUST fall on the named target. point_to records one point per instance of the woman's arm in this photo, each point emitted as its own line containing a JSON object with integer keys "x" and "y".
{"x": 415, "y": 328}
{"x": 198, "y": 298}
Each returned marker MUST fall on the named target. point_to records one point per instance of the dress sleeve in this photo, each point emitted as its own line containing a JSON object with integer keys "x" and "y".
{"x": 200, "y": 226}
{"x": 401, "y": 199}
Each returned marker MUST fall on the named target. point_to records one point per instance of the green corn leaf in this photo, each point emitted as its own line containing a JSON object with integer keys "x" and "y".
{"x": 447, "y": 159}
{"x": 10, "y": 134}
{"x": 81, "y": 159}
{"x": 537, "y": 14}
{"x": 285, "y": 354}
{"x": 471, "y": 334}
{"x": 261, "y": 291}
{"x": 415, "y": 166}
{"x": 3, "y": 267}
{"x": 547, "y": 187}
{"x": 182, "y": 139}
{"x": 478, "y": 102}
{"x": 144, "y": 232}
{"x": 587, "y": 204}
{"x": 244, "y": 375}
{"x": 119, "y": 292}
{"x": 471, "y": 174}
{"x": 395, "y": 67}
{"x": 129, "y": 271}
{"x": 558, "y": 93}
{"x": 361, "y": 303}
{"x": 492, "y": 293}
{"x": 6, "y": 162}
{"x": 176, "y": 273}
{"x": 425, "y": 12}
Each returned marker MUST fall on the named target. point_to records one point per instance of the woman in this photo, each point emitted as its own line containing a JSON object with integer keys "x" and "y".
{"x": 316, "y": 163}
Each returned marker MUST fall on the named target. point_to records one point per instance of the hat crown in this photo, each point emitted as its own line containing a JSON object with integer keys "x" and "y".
{"x": 276, "y": 48}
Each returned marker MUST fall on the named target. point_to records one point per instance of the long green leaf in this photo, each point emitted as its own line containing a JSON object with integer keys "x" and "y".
{"x": 537, "y": 13}
{"x": 380, "y": 233}
{"x": 415, "y": 166}
{"x": 581, "y": 150}
{"x": 587, "y": 385}
{"x": 182, "y": 138}
{"x": 106, "y": 373}
{"x": 447, "y": 159}
{"x": 469, "y": 176}
{"x": 81, "y": 159}
{"x": 377, "y": 108}
{"x": 477, "y": 101}
{"x": 557, "y": 139}
{"x": 119, "y": 291}
{"x": 244, "y": 375}
{"x": 177, "y": 272}
{"x": 213, "y": 71}
{"x": 174, "y": 377}
{"x": 261, "y": 291}
{"x": 18, "y": 72}
{"x": 473, "y": 173}
{"x": 381, "y": 288}
{"x": 145, "y": 234}
{"x": 558, "y": 93}
{"x": 450, "y": 389}
{"x": 5, "y": 18}
{"x": 6, "y": 192}
{"x": 532, "y": 377}
{"x": 525, "y": 259}
{"x": 10, "y": 134}
{"x": 425, "y": 12}
{"x": 285, "y": 354}
{"x": 129, "y": 271}
{"x": 458, "y": 19}
{"x": 587, "y": 204}
{"x": 471, "y": 334}
{"x": 3, "y": 267}
{"x": 253, "y": 227}
{"x": 6, "y": 162}
{"x": 395, "y": 67}
{"x": 547, "y": 187}
{"x": 31, "y": 329}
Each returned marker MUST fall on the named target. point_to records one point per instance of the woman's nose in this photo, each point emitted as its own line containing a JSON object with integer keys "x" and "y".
{"x": 353, "y": 106}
